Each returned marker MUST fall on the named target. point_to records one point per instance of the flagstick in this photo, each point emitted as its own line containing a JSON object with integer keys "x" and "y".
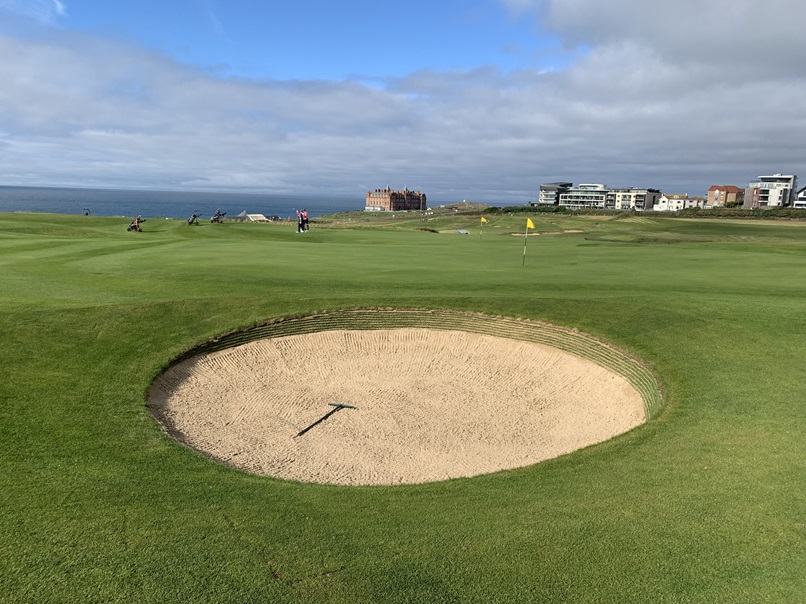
{"x": 525, "y": 237}
{"x": 481, "y": 230}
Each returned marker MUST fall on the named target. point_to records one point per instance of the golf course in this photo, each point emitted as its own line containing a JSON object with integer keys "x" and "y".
{"x": 703, "y": 502}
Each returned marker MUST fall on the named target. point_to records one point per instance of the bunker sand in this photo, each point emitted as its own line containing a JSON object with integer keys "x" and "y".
{"x": 429, "y": 405}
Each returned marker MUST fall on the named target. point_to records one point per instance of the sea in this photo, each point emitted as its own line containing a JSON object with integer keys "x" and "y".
{"x": 166, "y": 204}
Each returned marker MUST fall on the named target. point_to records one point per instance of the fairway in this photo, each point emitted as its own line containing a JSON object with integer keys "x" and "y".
{"x": 702, "y": 503}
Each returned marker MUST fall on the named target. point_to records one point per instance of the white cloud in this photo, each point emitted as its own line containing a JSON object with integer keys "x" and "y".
{"x": 44, "y": 11}
{"x": 740, "y": 33}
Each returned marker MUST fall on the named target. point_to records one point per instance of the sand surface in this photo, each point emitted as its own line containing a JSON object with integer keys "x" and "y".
{"x": 429, "y": 405}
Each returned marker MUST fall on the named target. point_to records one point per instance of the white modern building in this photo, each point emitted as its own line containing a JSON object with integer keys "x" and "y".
{"x": 585, "y": 196}
{"x": 773, "y": 191}
{"x": 635, "y": 199}
{"x": 596, "y": 196}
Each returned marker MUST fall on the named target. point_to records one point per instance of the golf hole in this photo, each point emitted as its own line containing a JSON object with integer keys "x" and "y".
{"x": 313, "y": 400}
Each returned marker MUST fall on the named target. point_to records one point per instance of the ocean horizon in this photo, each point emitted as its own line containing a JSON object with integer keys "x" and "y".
{"x": 166, "y": 204}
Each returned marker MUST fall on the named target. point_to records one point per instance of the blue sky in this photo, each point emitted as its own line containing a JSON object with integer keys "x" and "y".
{"x": 474, "y": 99}
{"x": 314, "y": 39}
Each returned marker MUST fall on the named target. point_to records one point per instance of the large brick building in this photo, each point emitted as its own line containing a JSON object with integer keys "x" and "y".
{"x": 387, "y": 200}
{"x": 722, "y": 195}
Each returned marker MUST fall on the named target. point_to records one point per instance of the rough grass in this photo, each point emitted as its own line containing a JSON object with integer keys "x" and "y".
{"x": 703, "y": 504}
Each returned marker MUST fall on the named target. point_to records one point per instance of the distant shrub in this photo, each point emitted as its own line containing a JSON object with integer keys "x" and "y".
{"x": 552, "y": 209}
{"x": 543, "y": 209}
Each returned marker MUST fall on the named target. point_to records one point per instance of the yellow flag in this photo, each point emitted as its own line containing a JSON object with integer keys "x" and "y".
{"x": 529, "y": 223}
{"x": 483, "y": 219}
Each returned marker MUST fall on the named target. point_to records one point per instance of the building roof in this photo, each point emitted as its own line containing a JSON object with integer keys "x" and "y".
{"x": 556, "y": 185}
{"x": 777, "y": 178}
{"x": 251, "y": 217}
{"x": 726, "y": 188}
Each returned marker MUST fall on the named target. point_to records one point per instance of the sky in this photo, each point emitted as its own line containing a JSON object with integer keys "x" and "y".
{"x": 462, "y": 99}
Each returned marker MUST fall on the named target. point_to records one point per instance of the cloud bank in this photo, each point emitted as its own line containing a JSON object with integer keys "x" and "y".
{"x": 677, "y": 96}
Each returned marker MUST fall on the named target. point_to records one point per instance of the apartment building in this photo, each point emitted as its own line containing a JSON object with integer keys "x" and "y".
{"x": 585, "y": 197}
{"x": 597, "y": 196}
{"x": 550, "y": 192}
{"x": 720, "y": 196}
{"x": 635, "y": 199}
{"x": 773, "y": 191}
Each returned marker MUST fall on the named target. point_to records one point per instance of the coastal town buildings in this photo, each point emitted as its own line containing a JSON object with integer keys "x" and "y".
{"x": 720, "y": 196}
{"x": 389, "y": 200}
{"x": 773, "y": 191}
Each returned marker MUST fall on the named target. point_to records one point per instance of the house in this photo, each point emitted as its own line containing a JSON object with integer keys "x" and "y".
{"x": 672, "y": 202}
{"x": 800, "y": 200}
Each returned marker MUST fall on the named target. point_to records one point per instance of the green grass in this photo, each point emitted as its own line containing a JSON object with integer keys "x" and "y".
{"x": 706, "y": 503}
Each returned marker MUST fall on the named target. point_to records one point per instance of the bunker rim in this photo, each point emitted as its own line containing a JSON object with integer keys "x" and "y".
{"x": 567, "y": 340}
